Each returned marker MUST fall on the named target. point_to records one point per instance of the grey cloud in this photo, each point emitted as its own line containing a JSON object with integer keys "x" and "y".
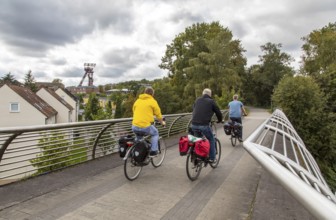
{"x": 240, "y": 30}
{"x": 112, "y": 73}
{"x": 126, "y": 58}
{"x": 184, "y": 15}
{"x": 72, "y": 72}
{"x": 59, "y": 62}
{"x": 40, "y": 25}
{"x": 39, "y": 74}
{"x": 152, "y": 73}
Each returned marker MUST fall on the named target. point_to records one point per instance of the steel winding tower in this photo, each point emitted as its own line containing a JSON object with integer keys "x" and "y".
{"x": 88, "y": 68}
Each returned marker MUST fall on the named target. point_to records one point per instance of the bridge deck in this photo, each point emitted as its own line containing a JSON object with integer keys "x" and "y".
{"x": 237, "y": 189}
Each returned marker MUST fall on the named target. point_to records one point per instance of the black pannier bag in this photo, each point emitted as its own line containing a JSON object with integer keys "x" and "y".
{"x": 140, "y": 151}
{"x": 227, "y": 128}
{"x": 123, "y": 145}
{"x": 236, "y": 128}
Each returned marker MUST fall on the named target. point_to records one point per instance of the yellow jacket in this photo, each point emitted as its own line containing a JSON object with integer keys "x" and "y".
{"x": 144, "y": 110}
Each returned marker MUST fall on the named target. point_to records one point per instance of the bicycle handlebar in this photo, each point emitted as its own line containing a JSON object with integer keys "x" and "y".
{"x": 157, "y": 122}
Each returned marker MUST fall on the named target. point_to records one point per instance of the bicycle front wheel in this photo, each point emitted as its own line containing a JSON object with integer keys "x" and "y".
{"x": 193, "y": 166}
{"x": 157, "y": 161}
{"x": 131, "y": 168}
{"x": 218, "y": 153}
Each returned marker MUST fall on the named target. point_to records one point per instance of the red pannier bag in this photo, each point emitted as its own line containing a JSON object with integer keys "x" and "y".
{"x": 202, "y": 148}
{"x": 183, "y": 145}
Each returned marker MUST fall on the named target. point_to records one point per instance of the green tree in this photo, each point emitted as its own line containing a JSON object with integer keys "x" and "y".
{"x": 57, "y": 80}
{"x": 92, "y": 107}
{"x": 274, "y": 64}
{"x": 118, "y": 98}
{"x": 58, "y": 152}
{"x": 166, "y": 96}
{"x": 108, "y": 109}
{"x": 101, "y": 89}
{"x": 29, "y": 81}
{"x": 127, "y": 105}
{"x": 319, "y": 60}
{"x": 107, "y": 87}
{"x": 302, "y": 101}
{"x": 10, "y": 79}
{"x": 204, "y": 55}
{"x": 319, "y": 50}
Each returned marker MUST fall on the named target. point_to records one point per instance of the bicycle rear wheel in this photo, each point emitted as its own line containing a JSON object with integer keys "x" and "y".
{"x": 131, "y": 168}
{"x": 233, "y": 140}
{"x": 157, "y": 161}
{"x": 218, "y": 153}
{"x": 193, "y": 166}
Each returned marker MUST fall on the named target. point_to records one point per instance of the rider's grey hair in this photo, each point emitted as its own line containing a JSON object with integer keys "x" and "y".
{"x": 207, "y": 92}
{"x": 149, "y": 91}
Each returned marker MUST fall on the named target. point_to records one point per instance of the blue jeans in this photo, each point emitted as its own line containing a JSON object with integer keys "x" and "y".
{"x": 206, "y": 130}
{"x": 153, "y": 132}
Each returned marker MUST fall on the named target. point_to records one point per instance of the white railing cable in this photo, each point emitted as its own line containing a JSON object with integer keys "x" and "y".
{"x": 287, "y": 160}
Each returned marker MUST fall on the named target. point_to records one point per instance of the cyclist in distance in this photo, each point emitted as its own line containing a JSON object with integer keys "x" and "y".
{"x": 144, "y": 110}
{"x": 203, "y": 110}
{"x": 236, "y": 108}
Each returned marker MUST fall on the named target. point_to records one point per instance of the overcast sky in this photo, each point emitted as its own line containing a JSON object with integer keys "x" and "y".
{"x": 127, "y": 38}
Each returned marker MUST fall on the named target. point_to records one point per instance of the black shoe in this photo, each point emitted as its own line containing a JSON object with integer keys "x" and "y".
{"x": 153, "y": 153}
{"x": 240, "y": 140}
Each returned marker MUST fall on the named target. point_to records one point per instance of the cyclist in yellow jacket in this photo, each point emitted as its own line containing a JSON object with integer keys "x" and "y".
{"x": 144, "y": 110}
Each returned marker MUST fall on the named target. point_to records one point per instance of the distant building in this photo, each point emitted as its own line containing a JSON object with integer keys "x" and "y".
{"x": 109, "y": 92}
{"x": 65, "y": 110}
{"x": 83, "y": 89}
{"x": 19, "y": 106}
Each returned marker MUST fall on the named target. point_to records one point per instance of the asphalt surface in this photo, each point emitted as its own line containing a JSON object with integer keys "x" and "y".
{"x": 237, "y": 189}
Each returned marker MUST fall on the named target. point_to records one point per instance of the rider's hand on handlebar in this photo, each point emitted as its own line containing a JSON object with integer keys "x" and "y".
{"x": 220, "y": 122}
{"x": 163, "y": 123}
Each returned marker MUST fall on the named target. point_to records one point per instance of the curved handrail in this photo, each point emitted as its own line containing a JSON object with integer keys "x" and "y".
{"x": 278, "y": 148}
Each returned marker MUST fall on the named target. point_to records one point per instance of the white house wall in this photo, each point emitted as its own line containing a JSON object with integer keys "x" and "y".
{"x": 28, "y": 115}
{"x": 71, "y": 102}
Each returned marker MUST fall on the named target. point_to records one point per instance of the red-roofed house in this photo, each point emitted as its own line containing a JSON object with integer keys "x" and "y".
{"x": 64, "y": 109}
{"x": 71, "y": 99}
{"x": 19, "y": 106}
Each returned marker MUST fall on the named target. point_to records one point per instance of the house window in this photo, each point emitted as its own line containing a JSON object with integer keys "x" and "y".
{"x": 14, "y": 107}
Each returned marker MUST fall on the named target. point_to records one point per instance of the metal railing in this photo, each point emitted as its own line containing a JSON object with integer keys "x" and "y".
{"x": 34, "y": 150}
{"x": 279, "y": 149}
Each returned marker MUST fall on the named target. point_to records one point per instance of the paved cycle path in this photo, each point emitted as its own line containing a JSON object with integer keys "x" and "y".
{"x": 99, "y": 189}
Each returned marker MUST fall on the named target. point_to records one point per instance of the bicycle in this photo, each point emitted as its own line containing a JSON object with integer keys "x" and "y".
{"x": 132, "y": 168}
{"x": 232, "y": 128}
{"x": 194, "y": 163}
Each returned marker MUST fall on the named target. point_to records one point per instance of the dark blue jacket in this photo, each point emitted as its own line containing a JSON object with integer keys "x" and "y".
{"x": 203, "y": 110}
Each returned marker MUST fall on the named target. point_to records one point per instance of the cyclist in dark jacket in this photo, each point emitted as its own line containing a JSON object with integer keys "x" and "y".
{"x": 203, "y": 110}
